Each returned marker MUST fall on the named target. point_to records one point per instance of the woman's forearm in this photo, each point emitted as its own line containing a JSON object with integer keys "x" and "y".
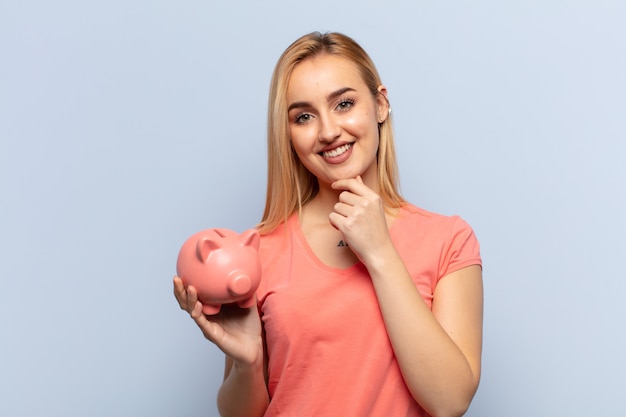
{"x": 441, "y": 373}
{"x": 243, "y": 392}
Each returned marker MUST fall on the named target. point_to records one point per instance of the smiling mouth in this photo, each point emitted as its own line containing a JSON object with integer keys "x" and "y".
{"x": 337, "y": 151}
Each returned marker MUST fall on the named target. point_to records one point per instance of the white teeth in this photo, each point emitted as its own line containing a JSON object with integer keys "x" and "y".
{"x": 337, "y": 151}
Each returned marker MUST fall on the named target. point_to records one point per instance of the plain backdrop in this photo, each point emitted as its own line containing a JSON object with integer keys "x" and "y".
{"x": 126, "y": 126}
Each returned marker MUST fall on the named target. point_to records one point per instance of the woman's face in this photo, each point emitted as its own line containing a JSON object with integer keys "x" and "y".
{"x": 333, "y": 119}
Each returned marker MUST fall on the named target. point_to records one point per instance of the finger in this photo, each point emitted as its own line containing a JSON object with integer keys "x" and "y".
{"x": 353, "y": 185}
{"x": 333, "y": 221}
{"x": 343, "y": 209}
{"x": 349, "y": 198}
{"x": 180, "y": 293}
{"x": 343, "y": 184}
{"x": 178, "y": 285}
{"x": 192, "y": 299}
{"x": 338, "y": 221}
{"x": 206, "y": 326}
{"x": 196, "y": 313}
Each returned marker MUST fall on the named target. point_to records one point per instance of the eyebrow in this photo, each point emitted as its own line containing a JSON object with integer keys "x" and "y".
{"x": 331, "y": 97}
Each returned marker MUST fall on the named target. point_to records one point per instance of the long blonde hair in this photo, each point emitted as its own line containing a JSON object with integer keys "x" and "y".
{"x": 289, "y": 184}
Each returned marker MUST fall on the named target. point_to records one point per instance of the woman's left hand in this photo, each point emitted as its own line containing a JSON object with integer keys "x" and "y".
{"x": 360, "y": 217}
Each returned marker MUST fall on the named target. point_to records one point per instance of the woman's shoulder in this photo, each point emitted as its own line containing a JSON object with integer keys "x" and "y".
{"x": 416, "y": 221}
{"x": 277, "y": 238}
{"x": 412, "y": 213}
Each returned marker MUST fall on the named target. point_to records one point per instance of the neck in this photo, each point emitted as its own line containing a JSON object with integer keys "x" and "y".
{"x": 317, "y": 210}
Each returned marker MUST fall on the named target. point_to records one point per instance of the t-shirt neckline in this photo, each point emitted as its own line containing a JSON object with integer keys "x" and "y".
{"x": 294, "y": 225}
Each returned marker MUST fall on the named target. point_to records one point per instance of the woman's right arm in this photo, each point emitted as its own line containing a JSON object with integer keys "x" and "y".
{"x": 238, "y": 333}
{"x": 244, "y": 392}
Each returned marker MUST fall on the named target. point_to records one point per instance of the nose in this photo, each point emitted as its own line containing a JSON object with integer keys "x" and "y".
{"x": 329, "y": 129}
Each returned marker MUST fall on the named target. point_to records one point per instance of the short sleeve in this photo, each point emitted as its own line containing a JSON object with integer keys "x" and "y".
{"x": 462, "y": 249}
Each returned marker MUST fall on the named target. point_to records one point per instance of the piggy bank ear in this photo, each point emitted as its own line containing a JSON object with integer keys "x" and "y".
{"x": 205, "y": 246}
{"x": 250, "y": 238}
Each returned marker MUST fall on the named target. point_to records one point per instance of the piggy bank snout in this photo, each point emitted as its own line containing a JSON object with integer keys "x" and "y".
{"x": 239, "y": 283}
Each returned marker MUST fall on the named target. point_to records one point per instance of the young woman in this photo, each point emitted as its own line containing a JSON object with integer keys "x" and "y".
{"x": 369, "y": 305}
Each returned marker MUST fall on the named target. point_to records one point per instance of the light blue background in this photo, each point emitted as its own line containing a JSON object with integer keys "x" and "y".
{"x": 125, "y": 126}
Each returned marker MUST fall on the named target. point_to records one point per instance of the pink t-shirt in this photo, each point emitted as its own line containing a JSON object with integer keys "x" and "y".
{"x": 329, "y": 354}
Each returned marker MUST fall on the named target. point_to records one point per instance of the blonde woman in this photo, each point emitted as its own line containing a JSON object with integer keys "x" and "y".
{"x": 369, "y": 305}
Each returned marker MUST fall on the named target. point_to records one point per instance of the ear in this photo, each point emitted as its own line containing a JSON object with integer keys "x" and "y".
{"x": 205, "y": 246}
{"x": 250, "y": 238}
{"x": 382, "y": 103}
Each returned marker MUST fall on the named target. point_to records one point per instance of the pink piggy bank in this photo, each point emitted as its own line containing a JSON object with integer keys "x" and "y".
{"x": 222, "y": 266}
